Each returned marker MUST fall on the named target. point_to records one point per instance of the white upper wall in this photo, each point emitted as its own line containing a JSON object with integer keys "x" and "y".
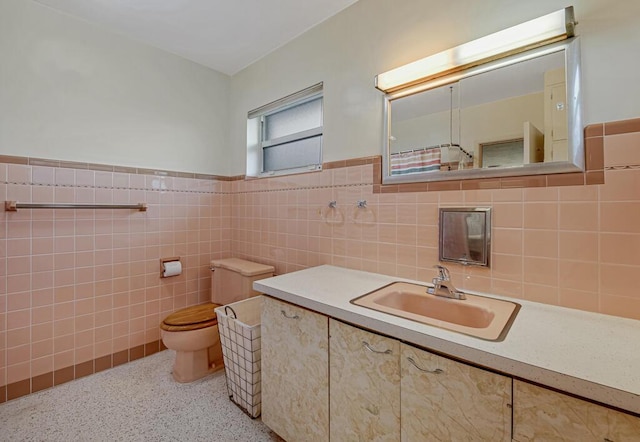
{"x": 70, "y": 90}
{"x": 373, "y": 36}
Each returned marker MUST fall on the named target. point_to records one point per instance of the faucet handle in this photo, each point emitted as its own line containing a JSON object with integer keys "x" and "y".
{"x": 443, "y": 273}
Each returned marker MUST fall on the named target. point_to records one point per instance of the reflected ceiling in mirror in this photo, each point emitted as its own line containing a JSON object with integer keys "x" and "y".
{"x": 516, "y": 116}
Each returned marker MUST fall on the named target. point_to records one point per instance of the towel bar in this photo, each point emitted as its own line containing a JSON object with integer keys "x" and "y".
{"x": 13, "y": 206}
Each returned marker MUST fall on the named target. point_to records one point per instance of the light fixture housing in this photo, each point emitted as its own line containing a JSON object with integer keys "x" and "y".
{"x": 540, "y": 31}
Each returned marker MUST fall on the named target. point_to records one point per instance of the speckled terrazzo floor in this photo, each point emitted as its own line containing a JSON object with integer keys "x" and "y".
{"x": 138, "y": 401}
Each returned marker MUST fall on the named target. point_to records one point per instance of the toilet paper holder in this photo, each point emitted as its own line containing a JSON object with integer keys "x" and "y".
{"x": 163, "y": 267}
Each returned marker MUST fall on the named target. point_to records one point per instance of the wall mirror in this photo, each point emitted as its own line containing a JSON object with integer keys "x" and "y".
{"x": 465, "y": 235}
{"x": 519, "y": 115}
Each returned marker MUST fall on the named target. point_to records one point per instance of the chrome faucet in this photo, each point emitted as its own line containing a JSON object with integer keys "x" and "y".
{"x": 442, "y": 285}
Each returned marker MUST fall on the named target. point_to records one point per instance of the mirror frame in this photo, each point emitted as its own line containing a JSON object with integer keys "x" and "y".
{"x": 576, "y": 162}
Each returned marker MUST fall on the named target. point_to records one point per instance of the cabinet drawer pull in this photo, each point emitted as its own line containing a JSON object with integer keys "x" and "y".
{"x": 289, "y": 317}
{"x": 436, "y": 371}
{"x": 372, "y": 350}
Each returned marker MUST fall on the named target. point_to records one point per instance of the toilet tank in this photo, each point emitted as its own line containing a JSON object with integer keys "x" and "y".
{"x": 232, "y": 279}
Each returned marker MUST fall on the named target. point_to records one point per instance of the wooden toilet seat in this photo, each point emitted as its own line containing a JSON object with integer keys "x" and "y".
{"x": 191, "y": 318}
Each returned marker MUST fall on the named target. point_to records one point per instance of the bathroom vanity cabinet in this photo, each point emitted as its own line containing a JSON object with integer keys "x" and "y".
{"x": 559, "y": 374}
{"x": 295, "y": 371}
{"x": 323, "y": 380}
{"x": 543, "y": 414}
{"x": 373, "y": 383}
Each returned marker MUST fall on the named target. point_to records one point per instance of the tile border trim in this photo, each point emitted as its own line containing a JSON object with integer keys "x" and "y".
{"x": 129, "y": 188}
{"x": 593, "y": 174}
{"x": 28, "y": 161}
{"x": 593, "y": 134}
{"x": 67, "y": 374}
{"x": 596, "y": 130}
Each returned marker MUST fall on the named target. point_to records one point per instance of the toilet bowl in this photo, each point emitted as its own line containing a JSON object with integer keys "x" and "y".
{"x": 193, "y": 331}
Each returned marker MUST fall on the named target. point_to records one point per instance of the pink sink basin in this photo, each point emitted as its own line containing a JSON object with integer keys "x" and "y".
{"x": 478, "y": 316}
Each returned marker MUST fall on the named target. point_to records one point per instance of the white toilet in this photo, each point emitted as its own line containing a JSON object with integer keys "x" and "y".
{"x": 193, "y": 331}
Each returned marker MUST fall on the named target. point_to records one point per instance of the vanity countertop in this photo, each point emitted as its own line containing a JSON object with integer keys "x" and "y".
{"x": 587, "y": 354}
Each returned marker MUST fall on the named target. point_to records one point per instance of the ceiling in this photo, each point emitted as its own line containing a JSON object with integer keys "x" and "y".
{"x": 225, "y": 35}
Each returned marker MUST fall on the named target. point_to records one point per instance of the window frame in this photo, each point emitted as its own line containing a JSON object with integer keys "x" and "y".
{"x": 260, "y": 115}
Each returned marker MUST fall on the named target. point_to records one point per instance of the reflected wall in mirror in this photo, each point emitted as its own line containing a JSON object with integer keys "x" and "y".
{"x": 507, "y": 116}
{"x": 465, "y": 235}
{"x": 515, "y": 116}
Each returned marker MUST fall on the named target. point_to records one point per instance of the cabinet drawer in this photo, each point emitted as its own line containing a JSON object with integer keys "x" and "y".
{"x": 540, "y": 414}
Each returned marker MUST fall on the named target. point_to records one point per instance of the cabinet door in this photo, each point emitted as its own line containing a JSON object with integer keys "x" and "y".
{"x": 444, "y": 399}
{"x": 364, "y": 386}
{"x": 543, "y": 415}
{"x": 295, "y": 371}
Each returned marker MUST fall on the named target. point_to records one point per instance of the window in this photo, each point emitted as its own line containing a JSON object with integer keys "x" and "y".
{"x": 286, "y": 136}
{"x": 505, "y": 153}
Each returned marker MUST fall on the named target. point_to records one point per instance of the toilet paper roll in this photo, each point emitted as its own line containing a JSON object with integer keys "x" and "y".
{"x": 172, "y": 268}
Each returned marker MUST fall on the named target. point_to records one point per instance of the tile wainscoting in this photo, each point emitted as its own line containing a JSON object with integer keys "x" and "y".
{"x": 555, "y": 240}
{"x": 80, "y": 290}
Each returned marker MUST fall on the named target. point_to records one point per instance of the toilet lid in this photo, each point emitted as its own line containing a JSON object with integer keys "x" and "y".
{"x": 191, "y": 318}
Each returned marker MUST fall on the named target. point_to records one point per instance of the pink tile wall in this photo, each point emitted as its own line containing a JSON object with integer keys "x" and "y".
{"x": 573, "y": 246}
{"x": 76, "y": 285}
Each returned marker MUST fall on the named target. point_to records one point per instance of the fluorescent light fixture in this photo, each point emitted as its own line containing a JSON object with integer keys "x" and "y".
{"x": 543, "y": 30}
